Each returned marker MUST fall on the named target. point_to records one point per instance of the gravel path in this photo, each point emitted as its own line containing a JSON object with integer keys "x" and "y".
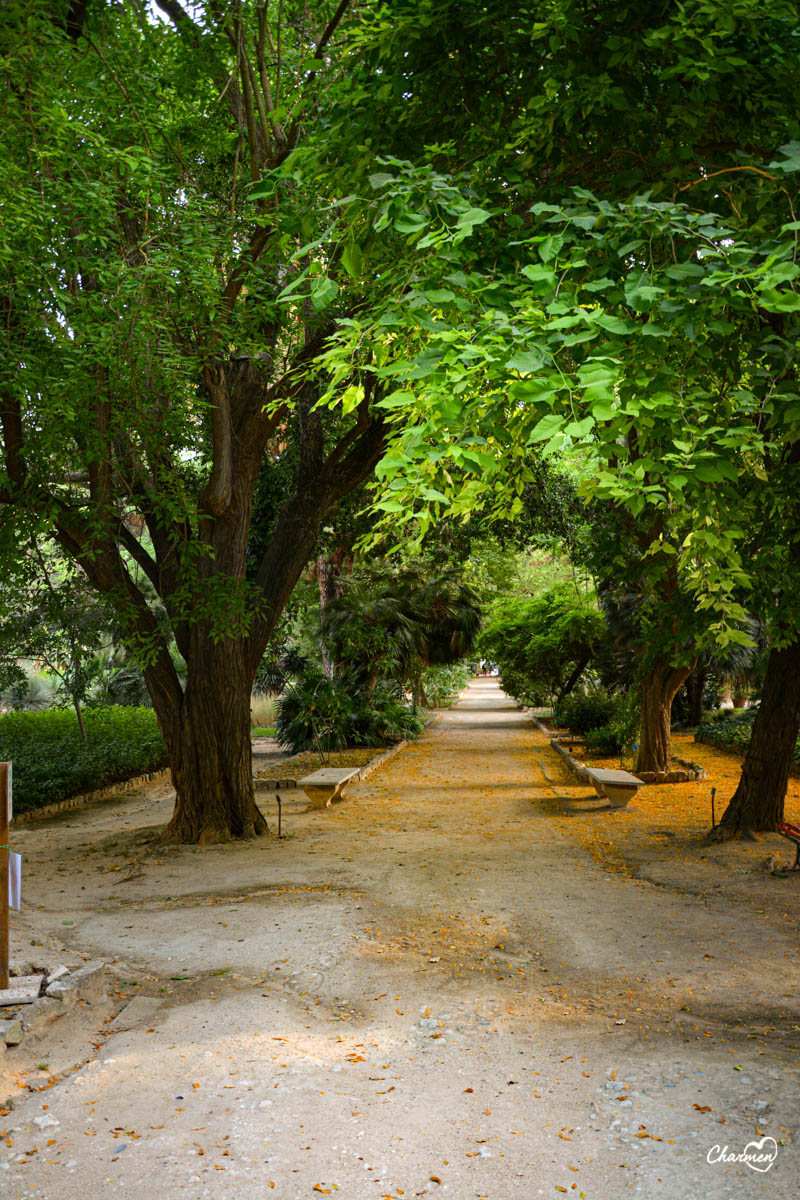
{"x": 432, "y": 989}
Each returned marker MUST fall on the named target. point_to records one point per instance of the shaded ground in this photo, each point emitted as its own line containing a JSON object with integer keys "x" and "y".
{"x": 459, "y": 981}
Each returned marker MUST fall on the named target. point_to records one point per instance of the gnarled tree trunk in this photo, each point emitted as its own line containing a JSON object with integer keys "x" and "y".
{"x": 658, "y": 689}
{"x": 757, "y": 803}
{"x": 208, "y": 736}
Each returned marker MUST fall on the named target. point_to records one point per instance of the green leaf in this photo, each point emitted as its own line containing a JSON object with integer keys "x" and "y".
{"x": 611, "y": 323}
{"x": 549, "y": 248}
{"x": 397, "y": 399}
{"x": 352, "y": 259}
{"x": 410, "y": 223}
{"x": 526, "y": 360}
{"x": 380, "y": 179}
{"x": 775, "y": 301}
{"x": 323, "y": 292}
{"x": 439, "y": 295}
{"x": 472, "y": 216}
{"x": 549, "y": 425}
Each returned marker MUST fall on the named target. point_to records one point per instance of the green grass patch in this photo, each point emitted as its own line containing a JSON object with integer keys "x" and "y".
{"x": 263, "y": 731}
{"x": 52, "y": 761}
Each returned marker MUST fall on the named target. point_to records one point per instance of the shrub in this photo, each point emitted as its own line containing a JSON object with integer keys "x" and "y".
{"x": 29, "y": 692}
{"x": 606, "y": 740}
{"x": 733, "y": 727}
{"x": 331, "y": 714}
{"x": 52, "y": 761}
{"x": 581, "y": 713}
{"x": 443, "y": 685}
{"x": 263, "y": 709}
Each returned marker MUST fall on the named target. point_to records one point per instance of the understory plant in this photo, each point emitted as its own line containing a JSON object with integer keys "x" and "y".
{"x": 318, "y": 713}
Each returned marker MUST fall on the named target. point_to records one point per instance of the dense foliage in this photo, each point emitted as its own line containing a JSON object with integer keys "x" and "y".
{"x": 733, "y": 728}
{"x": 318, "y": 713}
{"x": 52, "y": 761}
{"x": 442, "y": 685}
{"x": 543, "y": 646}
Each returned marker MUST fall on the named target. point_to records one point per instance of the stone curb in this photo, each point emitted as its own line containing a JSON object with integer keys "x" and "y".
{"x": 691, "y": 772}
{"x": 85, "y": 799}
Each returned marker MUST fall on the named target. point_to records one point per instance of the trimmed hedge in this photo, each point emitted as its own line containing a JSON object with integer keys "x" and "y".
{"x": 52, "y": 761}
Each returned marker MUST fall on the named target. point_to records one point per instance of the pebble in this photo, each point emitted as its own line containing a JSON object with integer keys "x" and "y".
{"x": 48, "y": 1121}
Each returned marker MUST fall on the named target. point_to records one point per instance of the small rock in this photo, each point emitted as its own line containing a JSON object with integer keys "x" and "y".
{"x": 12, "y": 1032}
{"x": 20, "y": 966}
{"x": 57, "y": 973}
{"x": 48, "y": 1121}
{"x": 760, "y": 1105}
{"x": 42, "y": 1012}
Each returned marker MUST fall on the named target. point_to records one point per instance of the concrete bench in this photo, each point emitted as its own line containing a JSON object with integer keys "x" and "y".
{"x": 326, "y": 785}
{"x": 618, "y": 787}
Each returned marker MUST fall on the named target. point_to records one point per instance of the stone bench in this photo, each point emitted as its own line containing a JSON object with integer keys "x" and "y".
{"x": 618, "y": 787}
{"x": 326, "y": 785}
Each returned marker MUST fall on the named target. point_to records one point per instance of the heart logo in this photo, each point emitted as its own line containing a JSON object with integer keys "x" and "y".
{"x": 765, "y": 1152}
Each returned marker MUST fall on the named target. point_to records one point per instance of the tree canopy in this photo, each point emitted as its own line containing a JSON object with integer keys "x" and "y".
{"x": 278, "y": 248}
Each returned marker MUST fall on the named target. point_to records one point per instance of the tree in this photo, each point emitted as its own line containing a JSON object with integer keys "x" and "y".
{"x": 179, "y": 250}
{"x": 203, "y": 259}
{"x": 48, "y": 613}
{"x": 633, "y": 321}
{"x": 544, "y": 646}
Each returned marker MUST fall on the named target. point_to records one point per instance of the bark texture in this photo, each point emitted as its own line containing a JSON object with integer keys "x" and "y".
{"x": 329, "y": 589}
{"x": 208, "y": 735}
{"x": 658, "y": 690}
{"x": 757, "y": 804}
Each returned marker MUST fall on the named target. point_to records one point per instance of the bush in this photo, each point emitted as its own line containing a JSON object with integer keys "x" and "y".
{"x": 443, "y": 685}
{"x": 52, "y": 761}
{"x": 332, "y": 714}
{"x": 30, "y": 692}
{"x": 733, "y": 727}
{"x": 263, "y": 709}
{"x": 580, "y": 713}
{"x": 605, "y": 741}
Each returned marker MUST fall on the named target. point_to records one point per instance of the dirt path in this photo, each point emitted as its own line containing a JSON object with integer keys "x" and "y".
{"x": 435, "y": 988}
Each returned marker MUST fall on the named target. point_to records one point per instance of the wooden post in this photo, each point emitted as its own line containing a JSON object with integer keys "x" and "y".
{"x": 5, "y": 805}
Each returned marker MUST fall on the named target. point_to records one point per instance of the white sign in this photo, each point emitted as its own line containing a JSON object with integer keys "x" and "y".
{"x": 14, "y": 880}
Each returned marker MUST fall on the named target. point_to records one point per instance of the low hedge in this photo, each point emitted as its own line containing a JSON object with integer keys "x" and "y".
{"x": 51, "y": 760}
{"x": 733, "y": 728}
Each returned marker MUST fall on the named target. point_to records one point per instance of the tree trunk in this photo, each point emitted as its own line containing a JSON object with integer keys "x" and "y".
{"x": 77, "y": 706}
{"x": 208, "y": 739}
{"x": 580, "y": 667}
{"x": 658, "y": 690}
{"x": 695, "y": 687}
{"x": 328, "y": 590}
{"x": 757, "y": 803}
